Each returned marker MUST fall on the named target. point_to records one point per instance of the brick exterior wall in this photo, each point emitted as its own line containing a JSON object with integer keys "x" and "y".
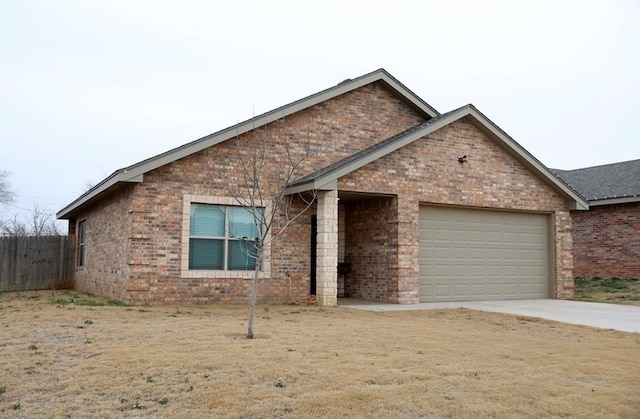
{"x": 107, "y": 243}
{"x": 136, "y": 242}
{"x": 371, "y": 249}
{"x": 606, "y": 242}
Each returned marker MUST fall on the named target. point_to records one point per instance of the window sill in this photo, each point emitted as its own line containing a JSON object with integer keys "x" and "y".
{"x": 187, "y": 274}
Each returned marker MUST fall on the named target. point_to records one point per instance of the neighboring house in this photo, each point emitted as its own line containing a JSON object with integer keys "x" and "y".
{"x": 414, "y": 205}
{"x": 606, "y": 239}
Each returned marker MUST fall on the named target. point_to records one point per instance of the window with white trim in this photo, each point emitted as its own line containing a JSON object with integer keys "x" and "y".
{"x": 223, "y": 238}
{"x": 82, "y": 229}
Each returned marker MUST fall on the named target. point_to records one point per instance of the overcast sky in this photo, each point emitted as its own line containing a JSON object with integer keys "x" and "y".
{"x": 87, "y": 87}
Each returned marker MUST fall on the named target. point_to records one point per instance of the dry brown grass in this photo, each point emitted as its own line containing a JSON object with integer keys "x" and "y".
{"x": 193, "y": 361}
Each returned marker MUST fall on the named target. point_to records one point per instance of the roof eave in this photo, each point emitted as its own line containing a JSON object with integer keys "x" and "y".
{"x": 331, "y": 177}
{"x": 313, "y": 185}
{"x": 614, "y": 201}
{"x": 577, "y": 201}
{"x": 133, "y": 172}
{"x": 117, "y": 178}
{"x": 283, "y": 112}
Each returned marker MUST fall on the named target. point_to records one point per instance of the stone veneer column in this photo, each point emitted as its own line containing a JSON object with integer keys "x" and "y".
{"x": 327, "y": 249}
{"x": 408, "y": 275}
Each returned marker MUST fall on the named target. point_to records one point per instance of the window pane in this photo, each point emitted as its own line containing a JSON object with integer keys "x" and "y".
{"x": 207, "y": 220}
{"x": 206, "y": 254}
{"x": 242, "y": 223}
{"x": 242, "y": 255}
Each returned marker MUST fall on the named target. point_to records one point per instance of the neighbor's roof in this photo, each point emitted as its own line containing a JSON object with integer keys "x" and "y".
{"x": 327, "y": 178}
{"x": 615, "y": 183}
{"x": 135, "y": 173}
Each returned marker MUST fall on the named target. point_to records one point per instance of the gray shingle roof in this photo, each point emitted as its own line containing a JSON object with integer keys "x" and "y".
{"x": 616, "y": 180}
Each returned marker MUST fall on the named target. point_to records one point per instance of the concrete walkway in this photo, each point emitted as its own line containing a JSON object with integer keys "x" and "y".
{"x": 605, "y": 316}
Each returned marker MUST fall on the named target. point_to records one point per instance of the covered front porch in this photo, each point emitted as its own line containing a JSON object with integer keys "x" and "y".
{"x": 364, "y": 248}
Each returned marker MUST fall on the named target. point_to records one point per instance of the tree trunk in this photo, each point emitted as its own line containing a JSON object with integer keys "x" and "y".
{"x": 254, "y": 294}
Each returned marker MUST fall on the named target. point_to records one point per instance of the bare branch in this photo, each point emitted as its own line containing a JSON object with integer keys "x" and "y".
{"x": 39, "y": 223}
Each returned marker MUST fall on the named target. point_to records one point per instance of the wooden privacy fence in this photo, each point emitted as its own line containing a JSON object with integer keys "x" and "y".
{"x": 36, "y": 262}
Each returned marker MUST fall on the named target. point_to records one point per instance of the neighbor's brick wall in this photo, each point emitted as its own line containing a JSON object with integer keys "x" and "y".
{"x": 427, "y": 171}
{"x": 149, "y": 250}
{"x": 606, "y": 242}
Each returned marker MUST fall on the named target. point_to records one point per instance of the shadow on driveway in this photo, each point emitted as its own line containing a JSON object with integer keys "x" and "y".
{"x": 605, "y": 316}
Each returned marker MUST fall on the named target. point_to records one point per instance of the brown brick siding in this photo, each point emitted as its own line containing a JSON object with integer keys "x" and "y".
{"x": 371, "y": 249}
{"x": 106, "y": 268}
{"x": 606, "y": 242}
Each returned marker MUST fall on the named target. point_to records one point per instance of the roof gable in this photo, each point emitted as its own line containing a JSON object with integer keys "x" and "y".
{"x": 327, "y": 177}
{"x": 607, "y": 184}
{"x": 135, "y": 173}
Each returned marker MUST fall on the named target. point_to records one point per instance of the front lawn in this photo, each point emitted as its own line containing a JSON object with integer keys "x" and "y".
{"x": 62, "y": 359}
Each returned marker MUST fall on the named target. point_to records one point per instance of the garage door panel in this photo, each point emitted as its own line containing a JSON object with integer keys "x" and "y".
{"x": 471, "y": 254}
{"x": 443, "y": 270}
{"x": 476, "y": 236}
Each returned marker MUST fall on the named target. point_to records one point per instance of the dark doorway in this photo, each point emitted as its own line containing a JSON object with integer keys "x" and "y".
{"x": 314, "y": 245}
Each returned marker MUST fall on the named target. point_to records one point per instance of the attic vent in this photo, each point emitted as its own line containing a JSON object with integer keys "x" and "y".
{"x": 344, "y": 81}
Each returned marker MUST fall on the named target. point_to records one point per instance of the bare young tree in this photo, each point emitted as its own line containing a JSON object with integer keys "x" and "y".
{"x": 38, "y": 223}
{"x": 7, "y": 195}
{"x": 13, "y": 227}
{"x": 264, "y": 171}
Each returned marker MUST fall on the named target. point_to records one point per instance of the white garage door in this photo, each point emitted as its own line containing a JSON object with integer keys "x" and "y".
{"x": 470, "y": 254}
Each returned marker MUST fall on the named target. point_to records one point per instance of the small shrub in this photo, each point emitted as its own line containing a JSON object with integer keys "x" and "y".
{"x": 137, "y": 405}
{"x": 88, "y": 321}
{"x": 60, "y": 302}
{"x": 33, "y": 347}
{"x": 163, "y": 401}
{"x": 3, "y": 390}
{"x": 279, "y": 383}
{"x": 16, "y": 406}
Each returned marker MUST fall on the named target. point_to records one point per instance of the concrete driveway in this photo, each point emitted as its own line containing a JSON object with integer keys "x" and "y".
{"x": 605, "y": 316}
